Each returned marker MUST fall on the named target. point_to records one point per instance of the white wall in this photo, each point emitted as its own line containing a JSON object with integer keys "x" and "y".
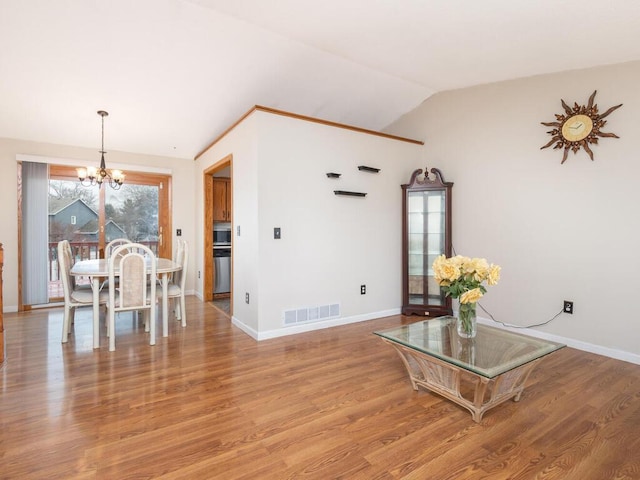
{"x": 182, "y": 201}
{"x": 241, "y": 143}
{"x": 559, "y": 231}
{"x": 330, "y": 245}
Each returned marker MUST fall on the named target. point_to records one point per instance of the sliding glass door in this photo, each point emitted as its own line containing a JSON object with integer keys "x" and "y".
{"x": 132, "y": 212}
{"x": 90, "y": 217}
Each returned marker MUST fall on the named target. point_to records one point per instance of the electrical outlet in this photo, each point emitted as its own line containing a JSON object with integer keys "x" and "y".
{"x": 276, "y": 233}
{"x": 363, "y": 289}
{"x": 246, "y": 297}
{"x": 238, "y": 229}
{"x": 568, "y": 307}
{"x": 179, "y": 232}
{"x": 198, "y": 273}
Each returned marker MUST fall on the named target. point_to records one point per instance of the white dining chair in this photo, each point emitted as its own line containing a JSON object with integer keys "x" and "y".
{"x": 132, "y": 287}
{"x": 74, "y": 295}
{"x": 108, "y": 251}
{"x": 113, "y": 244}
{"x": 177, "y": 283}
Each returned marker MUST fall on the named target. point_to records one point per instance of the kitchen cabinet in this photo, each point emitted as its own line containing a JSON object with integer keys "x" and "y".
{"x": 426, "y": 234}
{"x": 221, "y": 199}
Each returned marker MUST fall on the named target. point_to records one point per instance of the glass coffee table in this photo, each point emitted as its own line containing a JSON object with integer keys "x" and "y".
{"x": 495, "y": 364}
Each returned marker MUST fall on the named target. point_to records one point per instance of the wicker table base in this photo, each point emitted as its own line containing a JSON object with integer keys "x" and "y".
{"x": 445, "y": 379}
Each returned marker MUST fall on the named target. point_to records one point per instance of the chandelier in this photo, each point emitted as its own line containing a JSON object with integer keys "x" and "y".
{"x": 90, "y": 176}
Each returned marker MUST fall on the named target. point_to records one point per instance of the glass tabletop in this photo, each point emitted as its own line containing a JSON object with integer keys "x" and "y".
{"x": 492, "y": 352}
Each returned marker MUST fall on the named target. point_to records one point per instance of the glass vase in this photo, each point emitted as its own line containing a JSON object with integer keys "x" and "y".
{"x": 466, "y": 323}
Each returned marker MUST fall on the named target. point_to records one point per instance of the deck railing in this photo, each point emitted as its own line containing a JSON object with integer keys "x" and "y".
{"x": 81, "y": 251}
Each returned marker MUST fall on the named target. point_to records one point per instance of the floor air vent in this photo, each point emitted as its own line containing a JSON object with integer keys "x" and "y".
{"x": 311, "y": 314}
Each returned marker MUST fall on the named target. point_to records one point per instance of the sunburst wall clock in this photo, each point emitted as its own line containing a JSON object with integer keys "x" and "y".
{"x": 578, "y": 127}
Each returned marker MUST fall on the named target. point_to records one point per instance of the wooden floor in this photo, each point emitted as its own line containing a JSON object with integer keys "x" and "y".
{"x": 209, "y": 402}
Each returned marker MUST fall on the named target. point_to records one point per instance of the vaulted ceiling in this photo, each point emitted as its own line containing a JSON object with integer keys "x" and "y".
{"x": 174, "y": 74}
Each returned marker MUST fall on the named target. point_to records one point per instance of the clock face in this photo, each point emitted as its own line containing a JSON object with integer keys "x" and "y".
{"x": 577, "y": 128}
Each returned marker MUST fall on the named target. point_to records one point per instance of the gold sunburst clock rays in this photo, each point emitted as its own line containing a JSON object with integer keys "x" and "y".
{"x": 578, "y": 127}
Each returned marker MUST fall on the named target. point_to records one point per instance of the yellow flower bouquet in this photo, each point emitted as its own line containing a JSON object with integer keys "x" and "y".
{"x": 463, "y": 278}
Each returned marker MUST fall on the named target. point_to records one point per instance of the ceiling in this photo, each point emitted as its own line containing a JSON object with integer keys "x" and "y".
{"x": 174, "y": 74}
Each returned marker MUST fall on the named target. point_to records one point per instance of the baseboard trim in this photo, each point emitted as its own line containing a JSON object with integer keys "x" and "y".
{"x": 570, "y": 342}
{"x": 309, "y": 327}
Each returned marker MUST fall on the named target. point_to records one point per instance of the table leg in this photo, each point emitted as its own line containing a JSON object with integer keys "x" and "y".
{"x": 165, "y": 305}
{"x": 95, "y": 287}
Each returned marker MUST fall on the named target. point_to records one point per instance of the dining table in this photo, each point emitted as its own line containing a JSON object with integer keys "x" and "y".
{"x": 98, "y": 269}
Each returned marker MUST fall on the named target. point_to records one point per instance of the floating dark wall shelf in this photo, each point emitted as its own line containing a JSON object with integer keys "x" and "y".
{"x": 364, "y": 168}
{"x": 350, "y": 194}
{"x": 333, "y": 175}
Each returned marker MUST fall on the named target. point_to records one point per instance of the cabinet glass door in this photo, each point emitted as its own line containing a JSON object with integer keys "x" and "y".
{"x": 425, "y": 237}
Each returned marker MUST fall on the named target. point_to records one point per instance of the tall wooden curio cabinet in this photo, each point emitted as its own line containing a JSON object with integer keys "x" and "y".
{"x": 426, "y": 234}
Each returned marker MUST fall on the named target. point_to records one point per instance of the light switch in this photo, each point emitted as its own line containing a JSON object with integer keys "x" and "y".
{"x": 276, "y": 233}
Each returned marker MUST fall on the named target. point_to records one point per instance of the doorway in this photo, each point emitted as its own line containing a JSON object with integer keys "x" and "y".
{"x": 218, "y": 210}
{"x": 89, "y": 217}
